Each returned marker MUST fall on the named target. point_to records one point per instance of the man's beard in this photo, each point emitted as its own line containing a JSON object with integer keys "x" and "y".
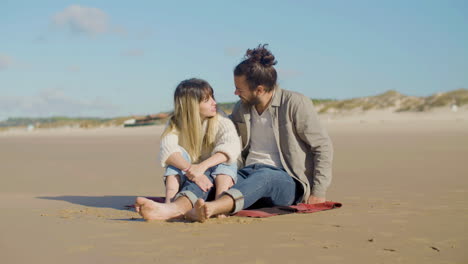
{"x": 252, "y": 102}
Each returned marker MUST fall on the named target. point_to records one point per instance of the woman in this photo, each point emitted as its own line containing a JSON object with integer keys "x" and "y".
{"x": 199, "y": 144}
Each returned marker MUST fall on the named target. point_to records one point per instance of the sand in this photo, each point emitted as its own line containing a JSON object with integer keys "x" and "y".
{"x": 402, "y": 181}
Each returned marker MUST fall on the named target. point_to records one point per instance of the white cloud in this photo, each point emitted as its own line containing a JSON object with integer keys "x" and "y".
{"x": 88, "y": 21}
{"x": 5, "y": 62}
{"x": 53, "y": 102}
{"x": 81, "y": 19}
{"x": 133, "y": 53}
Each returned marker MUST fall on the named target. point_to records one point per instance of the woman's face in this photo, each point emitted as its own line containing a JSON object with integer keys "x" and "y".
{"x": 207, "y": 108}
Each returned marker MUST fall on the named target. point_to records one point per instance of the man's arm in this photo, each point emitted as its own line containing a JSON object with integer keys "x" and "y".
{"x": 312, "y": 133}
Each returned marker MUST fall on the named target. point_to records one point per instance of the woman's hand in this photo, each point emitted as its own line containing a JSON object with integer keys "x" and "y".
{"x": 195, "y": 170}
{"x": 196, "y": 173}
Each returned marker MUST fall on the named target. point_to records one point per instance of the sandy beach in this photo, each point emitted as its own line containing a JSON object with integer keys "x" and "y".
{"x": 402, "y": 181}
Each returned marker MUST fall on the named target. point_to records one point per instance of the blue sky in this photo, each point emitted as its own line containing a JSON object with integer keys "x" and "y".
{"x": 114, "y": 58}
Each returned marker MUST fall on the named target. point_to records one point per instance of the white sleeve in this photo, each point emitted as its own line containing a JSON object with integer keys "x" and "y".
{"x": 227, "y": 140}
{"x": 169, "y": 145}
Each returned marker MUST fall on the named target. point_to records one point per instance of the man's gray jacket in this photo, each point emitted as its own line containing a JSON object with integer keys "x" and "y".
{"x": 306, "y": 150}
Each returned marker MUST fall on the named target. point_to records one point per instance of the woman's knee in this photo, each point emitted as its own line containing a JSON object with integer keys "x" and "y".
{"x": 225, "y": 169}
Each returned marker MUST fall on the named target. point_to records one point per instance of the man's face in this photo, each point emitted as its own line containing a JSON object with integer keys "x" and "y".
{"x": 243, "y": 91}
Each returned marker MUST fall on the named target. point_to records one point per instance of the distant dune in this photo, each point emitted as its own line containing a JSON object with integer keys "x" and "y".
{"x": 396, "y": 102}
{"x": 388, "y": 102}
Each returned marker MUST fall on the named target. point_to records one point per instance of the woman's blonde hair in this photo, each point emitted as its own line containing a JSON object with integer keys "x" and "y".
{"x": 186, "y": 120}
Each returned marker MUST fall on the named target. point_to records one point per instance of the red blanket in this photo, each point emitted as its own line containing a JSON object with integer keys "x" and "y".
{"x": 277, "y": 210}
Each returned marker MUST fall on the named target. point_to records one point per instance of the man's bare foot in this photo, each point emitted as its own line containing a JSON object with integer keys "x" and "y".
{"x": 151, "y": 210}
{"x": 201, "y": 211}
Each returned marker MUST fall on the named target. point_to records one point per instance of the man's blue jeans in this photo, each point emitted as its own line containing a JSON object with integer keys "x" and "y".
{"x": 262, "y": 182}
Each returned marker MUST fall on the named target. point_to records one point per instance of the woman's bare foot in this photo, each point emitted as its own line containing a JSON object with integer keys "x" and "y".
{"x": 151, "y": 210}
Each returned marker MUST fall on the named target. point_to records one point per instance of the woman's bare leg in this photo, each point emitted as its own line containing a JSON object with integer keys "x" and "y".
{"x": 222, "y": 183}
{"x": 172, "y": 187}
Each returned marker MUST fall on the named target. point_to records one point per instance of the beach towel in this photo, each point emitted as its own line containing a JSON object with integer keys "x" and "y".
{"x": 276, "y": 210}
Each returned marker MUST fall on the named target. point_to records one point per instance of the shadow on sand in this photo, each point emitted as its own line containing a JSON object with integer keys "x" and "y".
{"x": 115, "y": 202}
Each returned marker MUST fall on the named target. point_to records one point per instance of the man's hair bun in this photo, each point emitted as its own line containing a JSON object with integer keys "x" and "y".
{"x": 261, "y": 55}
{"x": 257, "y": 67}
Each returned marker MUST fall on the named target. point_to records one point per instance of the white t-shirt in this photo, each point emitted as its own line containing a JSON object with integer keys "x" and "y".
{"x": 263, "y": 148}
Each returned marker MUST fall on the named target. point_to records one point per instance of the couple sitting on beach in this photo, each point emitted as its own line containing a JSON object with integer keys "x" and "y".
{"x": 285, "y": 153}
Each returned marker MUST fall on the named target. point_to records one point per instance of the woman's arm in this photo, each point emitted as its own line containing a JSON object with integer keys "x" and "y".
{"x": 198, "y": 169}
{"x": 226, "y": 150}
{"x": 176, "y": 160}
{"x": 169, "y": 145}
{"x": 214, "y": 160}
{"x": 171, "y": 154}
{"x": 227, "y": 140}
{"x": 193, "y": 172}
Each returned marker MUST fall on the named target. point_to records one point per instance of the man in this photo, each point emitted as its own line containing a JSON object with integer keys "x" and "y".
{"x": 286, "y": 153}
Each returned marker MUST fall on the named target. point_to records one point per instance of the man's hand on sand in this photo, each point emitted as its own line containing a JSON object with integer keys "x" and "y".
{"x": 314, "y": 200}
